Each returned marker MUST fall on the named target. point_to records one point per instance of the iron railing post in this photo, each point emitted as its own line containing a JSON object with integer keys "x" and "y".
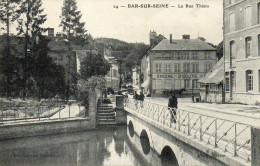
{"x": 2, "y": 117}
{"x": 179, "y": 121}
{"x": 25, "y": 112}
{"x": 59, "y": 111}
{"x": 39, "y": 112}
{"x": 235, "y": 140}
{"x": 79, "y": 108}
{"x": 69, "y": 110}
{"x": 216, "y": 133}
{"x": 188, "y": 124}
{"x": 200, "y": 128}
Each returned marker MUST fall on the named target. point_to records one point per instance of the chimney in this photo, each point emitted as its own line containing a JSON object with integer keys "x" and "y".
{"x": 171, "y": 38}
{"x": 51, "y": 32}
{"x": 185, "y": 36}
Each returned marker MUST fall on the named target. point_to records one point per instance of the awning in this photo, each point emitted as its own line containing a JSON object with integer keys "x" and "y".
{"x": 216, "y": 75}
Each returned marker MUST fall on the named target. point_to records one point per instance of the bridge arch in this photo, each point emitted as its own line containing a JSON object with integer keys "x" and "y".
{"x": 168, "y": 157}
{"x": 145, "y": 142}
{"x": 131, "y": 128}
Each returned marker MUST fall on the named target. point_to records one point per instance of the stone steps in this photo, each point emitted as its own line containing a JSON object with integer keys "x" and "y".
{"x": 106, "y": 115}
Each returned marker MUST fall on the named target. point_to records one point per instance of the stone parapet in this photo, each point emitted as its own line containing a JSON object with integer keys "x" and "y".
{"x": 47, "y": 127}
{"x": 255, "y": 144}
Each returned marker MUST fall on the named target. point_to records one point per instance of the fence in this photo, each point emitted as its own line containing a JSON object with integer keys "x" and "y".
{"x": 13, "y": 114}
{"x": 230, "y": 136}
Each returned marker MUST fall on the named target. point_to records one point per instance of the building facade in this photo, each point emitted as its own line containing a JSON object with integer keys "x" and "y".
{"x": 177, "y": 64}
{"x": 62, "y": 56}
{"x": 136, "y": 76}
{"x": 242, "y": 51}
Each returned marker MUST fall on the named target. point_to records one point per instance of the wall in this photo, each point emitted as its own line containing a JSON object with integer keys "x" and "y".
{"x": 26, "y": 129}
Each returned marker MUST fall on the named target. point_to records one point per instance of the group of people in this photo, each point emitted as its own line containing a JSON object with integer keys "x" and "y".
{"x": 172, "y": 103}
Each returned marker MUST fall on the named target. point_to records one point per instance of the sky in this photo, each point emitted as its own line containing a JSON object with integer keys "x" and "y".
{"x": 134, "y": 24}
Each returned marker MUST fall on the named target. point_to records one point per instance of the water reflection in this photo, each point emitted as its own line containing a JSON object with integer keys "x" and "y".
{"x": 105, "y": 146}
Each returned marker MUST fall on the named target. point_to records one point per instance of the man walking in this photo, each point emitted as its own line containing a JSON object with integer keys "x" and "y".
{"x": 141, "y": 98}
{"x": 173, "y": 104}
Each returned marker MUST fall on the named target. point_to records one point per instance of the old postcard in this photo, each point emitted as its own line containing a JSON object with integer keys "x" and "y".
{"x": 130, "y": 82}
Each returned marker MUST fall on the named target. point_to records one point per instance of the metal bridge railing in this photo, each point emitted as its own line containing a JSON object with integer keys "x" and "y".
{"x": 12, "y": 114}
{"x": 230, "y": 136}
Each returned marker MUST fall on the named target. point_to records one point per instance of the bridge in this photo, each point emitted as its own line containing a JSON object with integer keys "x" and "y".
{"x": 215, "y": 140}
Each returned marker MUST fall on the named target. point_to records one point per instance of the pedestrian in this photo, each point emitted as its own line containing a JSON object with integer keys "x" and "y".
{"x": 135, "y": 95}
{"x": 141, "y": 98}
{"x": 173, "y": 104}
{"x": 136, "y": 98}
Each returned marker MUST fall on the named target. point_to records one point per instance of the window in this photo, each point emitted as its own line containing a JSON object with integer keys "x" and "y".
{"x": 114, "y": 73}
{"x": 188, "y": 55}
{"x": 194, "y": 55}
{"x": 158, "y": 67}
{"x": 167, "y": 67}
{"x": 249, "y": 80}
{"x": 186, "y": 83}
{"x": 177, "y": 68}
{"x": 186, "y": 67}
{"x": 207, "y": 55}
{"x": 227, "y": 81}
{"x": 207, "y": 67}
{"x": 232, "y": 52}
{"x": 195, "y": 84}
{"x": 231, "y": 22}
{"x": 258, "y": 13}
{"x": 195, "y": 67}
{"x": 178, "y": 56}
{"x": 248, "y": 16}
{"x": 248, "y": 46}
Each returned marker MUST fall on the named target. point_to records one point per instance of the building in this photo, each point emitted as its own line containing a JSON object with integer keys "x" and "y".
{"x": 177, "y": 64}
{"x": 136, "y": 76}
{"x": 113, "y": 76}
{"x": 211, "y": 88}
{"x": 242, "y": 51}
{"x": 59, "y": 51}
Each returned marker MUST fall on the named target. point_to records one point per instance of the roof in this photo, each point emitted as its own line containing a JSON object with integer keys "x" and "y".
{"x": 183, "y": 44}
{"x": 216, "y": 75}
{"x": 58, "y": 44}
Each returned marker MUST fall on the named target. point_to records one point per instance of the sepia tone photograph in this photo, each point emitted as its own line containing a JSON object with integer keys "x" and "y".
{"x": 130, "y": 82}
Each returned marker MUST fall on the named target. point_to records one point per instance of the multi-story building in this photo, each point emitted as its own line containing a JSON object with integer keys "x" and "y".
{"x": 177, "y": 64}
{"x": 61, "y": 55}
{"x": 242, "y": 51}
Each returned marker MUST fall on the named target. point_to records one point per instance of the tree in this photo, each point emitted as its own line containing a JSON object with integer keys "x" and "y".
{"x": 8, "y": 62}
{"x": 93, "y": 65}
{"x": 70, "y": 18}
{"x": 48, "y": 76}
{"x": 29, "y": 25}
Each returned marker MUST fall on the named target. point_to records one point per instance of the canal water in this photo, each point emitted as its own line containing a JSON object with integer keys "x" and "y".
{"x": 105, "y": 146}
